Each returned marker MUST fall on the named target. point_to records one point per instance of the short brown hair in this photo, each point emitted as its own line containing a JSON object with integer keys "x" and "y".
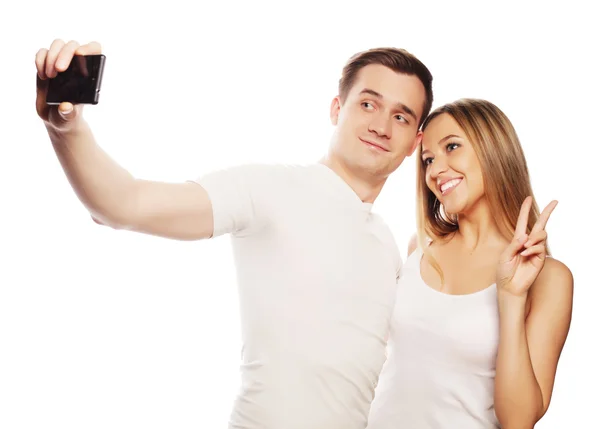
{"x": 396, "y": 59}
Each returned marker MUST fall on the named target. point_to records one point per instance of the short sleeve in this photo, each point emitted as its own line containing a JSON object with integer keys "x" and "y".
{"x": 237, "y": 196}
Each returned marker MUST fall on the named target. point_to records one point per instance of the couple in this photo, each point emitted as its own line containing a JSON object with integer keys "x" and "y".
{"x": 476, "y": 317}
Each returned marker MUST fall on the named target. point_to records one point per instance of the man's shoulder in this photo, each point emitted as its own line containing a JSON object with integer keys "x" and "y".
{"x": 276, "y": 169}
{"x": 258, "y": 173}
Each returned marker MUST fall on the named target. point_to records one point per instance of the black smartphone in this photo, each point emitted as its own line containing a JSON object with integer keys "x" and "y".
{"x": 79, "y": 83}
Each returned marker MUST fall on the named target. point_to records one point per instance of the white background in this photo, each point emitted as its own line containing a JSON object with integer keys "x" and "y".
{"x": 110, "y": 329}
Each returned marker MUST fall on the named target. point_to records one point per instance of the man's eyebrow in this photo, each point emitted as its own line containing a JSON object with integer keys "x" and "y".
{"x": 400, "y": 106}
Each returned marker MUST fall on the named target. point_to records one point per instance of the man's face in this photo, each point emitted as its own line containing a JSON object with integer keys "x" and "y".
{"x": 377, "y": 125}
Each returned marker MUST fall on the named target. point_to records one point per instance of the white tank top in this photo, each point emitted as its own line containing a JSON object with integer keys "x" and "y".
{"x": 441, "y": 359}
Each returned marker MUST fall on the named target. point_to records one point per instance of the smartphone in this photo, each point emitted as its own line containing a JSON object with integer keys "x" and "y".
{"x": 80, "y": 83}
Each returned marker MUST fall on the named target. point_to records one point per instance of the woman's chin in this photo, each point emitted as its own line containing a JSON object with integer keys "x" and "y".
{"x": 454, "y": 208}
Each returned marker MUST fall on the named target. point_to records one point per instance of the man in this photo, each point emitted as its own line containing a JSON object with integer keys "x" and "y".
{"x": 317, "y": 270}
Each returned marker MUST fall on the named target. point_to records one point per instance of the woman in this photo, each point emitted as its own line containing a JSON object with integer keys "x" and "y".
{"x": 481, "y": 313}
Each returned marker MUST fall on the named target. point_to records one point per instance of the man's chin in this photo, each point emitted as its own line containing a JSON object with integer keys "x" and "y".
{"x": 370, "y": 168}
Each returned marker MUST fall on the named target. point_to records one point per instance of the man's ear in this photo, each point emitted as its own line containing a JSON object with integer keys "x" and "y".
{"x": 418, "y": 140}
{"x": 334, "y": 112}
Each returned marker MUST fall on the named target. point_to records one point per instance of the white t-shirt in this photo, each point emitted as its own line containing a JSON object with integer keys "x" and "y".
{"x": 317, "y": 274}
{"x": 442, "y": 361}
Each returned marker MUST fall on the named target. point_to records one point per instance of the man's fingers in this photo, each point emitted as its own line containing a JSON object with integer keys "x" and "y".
{"x": 40, "y": 63}
{"x": 65, "y": 109}
{"x": 53, "y": 53}
{"x": 65, "y": 56}
{"x": 92, "y": 48}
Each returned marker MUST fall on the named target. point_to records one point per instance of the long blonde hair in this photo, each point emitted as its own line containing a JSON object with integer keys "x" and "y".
{"x": 506, "y": 181}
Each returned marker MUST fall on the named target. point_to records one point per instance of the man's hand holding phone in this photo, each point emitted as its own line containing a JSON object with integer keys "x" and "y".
{"x": 68, "y": 76}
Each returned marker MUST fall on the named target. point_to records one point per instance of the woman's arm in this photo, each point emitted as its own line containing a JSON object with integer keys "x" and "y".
{"x": 530, "y": 345}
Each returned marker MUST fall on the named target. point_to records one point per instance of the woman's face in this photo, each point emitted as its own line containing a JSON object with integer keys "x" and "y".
{"x": 452, "y": 170}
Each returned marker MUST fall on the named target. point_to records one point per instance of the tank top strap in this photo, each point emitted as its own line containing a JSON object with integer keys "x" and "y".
{"x": 414, "y": 258}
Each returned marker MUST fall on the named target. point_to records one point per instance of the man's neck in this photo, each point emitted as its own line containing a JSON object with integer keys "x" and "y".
{"x": 366, "y": 188}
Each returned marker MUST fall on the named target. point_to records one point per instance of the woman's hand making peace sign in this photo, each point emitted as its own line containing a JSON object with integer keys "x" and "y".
{"x": 524, "y": 257}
